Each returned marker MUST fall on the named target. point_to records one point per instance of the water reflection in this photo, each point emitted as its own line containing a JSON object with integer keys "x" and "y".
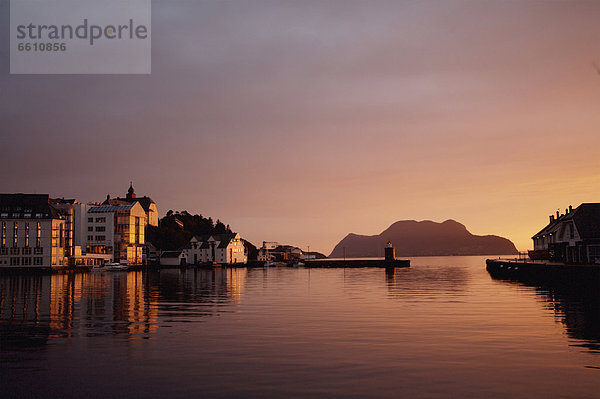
{"x": 24, "y": 309}
{"x": 34, "y": 308}
{"x": 185, "y": 295}
{"x": 428, "y": 280}
{"x": 575, "y": 303}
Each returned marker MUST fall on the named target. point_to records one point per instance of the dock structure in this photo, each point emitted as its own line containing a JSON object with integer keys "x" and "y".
{"x": 350, "y": 263}
{"x": 540, "y": 270}
{"x": 389, "y": 262}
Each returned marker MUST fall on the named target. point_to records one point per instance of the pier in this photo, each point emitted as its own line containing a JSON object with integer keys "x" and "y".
{"x": 540, "y": 270}
{"x": 313, "y": 263}
{"x": 350, "y": 263}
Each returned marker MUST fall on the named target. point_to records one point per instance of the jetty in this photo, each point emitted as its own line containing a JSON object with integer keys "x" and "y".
{"x": 525, "y": 269}
{"x": 389, "y": 262}
{"x": 313, "y": 263}
{"x": 350, "y": 263}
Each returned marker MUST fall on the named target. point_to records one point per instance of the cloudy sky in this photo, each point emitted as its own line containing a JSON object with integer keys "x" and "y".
{"x": 302, "y": 121}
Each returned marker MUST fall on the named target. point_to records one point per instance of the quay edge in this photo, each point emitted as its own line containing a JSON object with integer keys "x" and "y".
{"x": 539, "y": 271}
{"x": 349, "y": 263}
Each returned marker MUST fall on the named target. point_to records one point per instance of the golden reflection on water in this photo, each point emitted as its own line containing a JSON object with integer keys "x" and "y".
{"x": 101, "y": 298}
{"x": 350, "y": 331}
{"x": 71, "y": 304}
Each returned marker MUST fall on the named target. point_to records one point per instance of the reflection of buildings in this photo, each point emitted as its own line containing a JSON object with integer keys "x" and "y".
{"x": 24, "y": 309}
{"x": 575, "y": 303}
{"x": 33, "y": 308}
{"x": 202, "y": 286}
{"x": 101, "y": 303}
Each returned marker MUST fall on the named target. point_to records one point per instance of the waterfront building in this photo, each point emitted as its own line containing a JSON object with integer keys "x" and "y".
{"x": 76, "y": 232}
{"x": 117, "y": 230}
{"x": 264, "y": 255}
{"x": 33, "y": 232}
{"x": 151, "y": 253}
{"x": 286, "y": 253}
{"x": 147, "y": 204}
{"x": 75, "y": 214}
{"x": 171, "y": 258}
{"x": 572, "y": 237}
{"x": 215, "y": 248}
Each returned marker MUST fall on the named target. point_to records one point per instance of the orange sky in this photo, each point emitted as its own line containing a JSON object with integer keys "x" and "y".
{"x": 300, "y": 122}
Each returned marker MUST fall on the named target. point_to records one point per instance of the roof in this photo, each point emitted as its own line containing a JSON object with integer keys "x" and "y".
{"x": 110, "y": 208}
{"x": 69, "y": 201}
{"x": 17, "y": 205}
{"x": 586, "y": 218}
{"x": 224, "y": 239}
{"x": 170, "y": 254}
{"x": 145, "y": 202}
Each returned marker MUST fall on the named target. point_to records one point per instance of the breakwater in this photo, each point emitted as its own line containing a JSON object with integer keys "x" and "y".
{"x": 349, "y": 263}
{"x": 540, "y": 271}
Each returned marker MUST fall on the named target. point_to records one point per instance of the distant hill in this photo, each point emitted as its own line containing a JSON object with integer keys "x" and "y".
{"x": 426, "y": 238}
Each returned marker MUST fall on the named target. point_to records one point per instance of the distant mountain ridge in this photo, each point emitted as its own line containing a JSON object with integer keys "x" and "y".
{"x": 424, "y": 238}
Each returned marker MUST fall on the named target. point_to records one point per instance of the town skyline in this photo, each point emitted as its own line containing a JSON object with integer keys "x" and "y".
{"x": 132, "y": 196}
{"x": 303, "y": 122}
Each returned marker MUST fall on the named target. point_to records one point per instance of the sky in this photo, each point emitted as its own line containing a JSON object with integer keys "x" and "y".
{"x": 302, "y": 121}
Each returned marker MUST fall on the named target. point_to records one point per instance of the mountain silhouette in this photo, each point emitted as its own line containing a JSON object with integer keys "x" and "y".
{"x": 425, "y": 238}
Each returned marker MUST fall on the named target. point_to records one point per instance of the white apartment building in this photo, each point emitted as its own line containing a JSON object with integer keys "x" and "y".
{"x": 32, "y": 232}
{"x": 215, "y": 248}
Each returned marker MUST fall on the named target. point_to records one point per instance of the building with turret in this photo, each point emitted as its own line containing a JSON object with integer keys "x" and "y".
{"x": 147, "y": 204}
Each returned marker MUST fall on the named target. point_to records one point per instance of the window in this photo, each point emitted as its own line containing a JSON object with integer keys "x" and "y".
{"x": 15, "y": 261}
{"x": 38, "y": 215}
{"x": 3, "y": 234}
{"x": 101, "y": 220}
{"x": 15, "y": 233}
{"x": 16, "y": 215}
{"x": 571, "y": 231}
{"x": 26, "y": 261}
{"x": 100, "y": 238}
{"x": 26, "y": 234}
{"x": 26, "y": 251}
{"x": 100, "y": 228}
{"x": 38, "y": 261}
{"x": 90, "y": 238}
{"x": 3, "y": 251}
{"x": 90, "y": 228}
{"x": 3, "y": 215}
{"x": 38, "y": 251}
{"x": 38, "y": 240}
{"x": 14, "y": 251}
{"x": 27, "y": 216}
{"x": 90, "y": 220}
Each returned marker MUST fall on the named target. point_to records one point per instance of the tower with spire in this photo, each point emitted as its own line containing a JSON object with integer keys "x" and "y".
{"x": 130, "y": 193}
{"x": 146, "y": 203}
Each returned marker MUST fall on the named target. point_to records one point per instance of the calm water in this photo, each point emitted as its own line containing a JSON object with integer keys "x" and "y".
{"x": 443, "y": 328}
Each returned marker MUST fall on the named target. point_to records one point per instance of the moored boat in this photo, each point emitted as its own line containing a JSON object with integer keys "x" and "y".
{"x": 115, "y": 267}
